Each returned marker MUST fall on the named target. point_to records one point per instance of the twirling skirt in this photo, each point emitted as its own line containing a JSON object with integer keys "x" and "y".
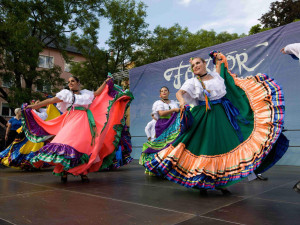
{"x": 20, "y": 152}
{"x": 74, "y": 148}
{"x": 211, "y": 154}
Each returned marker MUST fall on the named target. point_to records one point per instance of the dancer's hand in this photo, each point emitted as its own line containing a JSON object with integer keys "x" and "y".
{"x": 219, "y": 59}
{"x": 176, "y": 109}
{"x": 182, "y": 104}
{"x": 107, "y": 79}
{"x": 30, "y": 107}
{"x": 282, "y": 51}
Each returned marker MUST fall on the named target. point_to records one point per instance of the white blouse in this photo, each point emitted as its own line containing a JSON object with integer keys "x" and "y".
{"x": 194, "y": 89}
{"x": 42, "y": 113}
{"x": 159, "y": 105}
{"x": 150, "y": 129}
{"x": 293, "y": 49}
{"x": 83, "y": 99}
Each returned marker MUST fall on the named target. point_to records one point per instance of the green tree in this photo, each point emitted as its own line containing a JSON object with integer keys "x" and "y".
{"x": 26, "y": 27}
{"x": 128, "y": 30}
{"x": 281, "y": 13}
{"x": 169, "y": 42}
{"x": 93, "y": 71}
{"x": 257, "y": 29}
{"x": 163, "y": 43}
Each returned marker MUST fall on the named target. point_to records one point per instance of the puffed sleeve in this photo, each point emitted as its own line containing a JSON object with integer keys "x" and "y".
{"x": 85, "y": 98}
{"x": 157, "y": 106}
{"x": 67, "y": 98}
{"x": 293, "y": 49}
{"x": 65, "y": 95}
{"x": 193, "y": 90}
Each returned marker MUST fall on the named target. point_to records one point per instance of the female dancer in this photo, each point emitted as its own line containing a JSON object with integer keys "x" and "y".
{"x": 166, "y": 111}
{"x": 19, "y": 153}
{"x": 86, "y": 133}
{"x": 237, "y": 126}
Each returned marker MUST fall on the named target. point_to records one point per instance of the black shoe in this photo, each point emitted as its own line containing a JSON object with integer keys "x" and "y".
{"x": 64, "y": 178}
{"x": 260, "y": 177}
{"x": 297, "y": 187}
{"x": 224, "y": 191}
{"x": 84, "y": 179}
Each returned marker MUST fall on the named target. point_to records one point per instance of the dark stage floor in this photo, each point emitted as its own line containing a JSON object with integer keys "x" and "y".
{"x": 127, "y": 196}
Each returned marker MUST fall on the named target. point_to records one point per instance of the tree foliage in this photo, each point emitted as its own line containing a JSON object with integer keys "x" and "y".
{"x": 26, "y": 28}
{"x": 281, "y": 13}
{"x": 169, "y": 42}
{"x": 257, "y": 29}
{"x": 127, "y": 19}
{"x": 93, "y": 71}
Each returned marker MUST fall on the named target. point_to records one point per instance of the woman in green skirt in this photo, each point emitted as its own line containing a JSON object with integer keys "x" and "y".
{"x": 236, "y": 129}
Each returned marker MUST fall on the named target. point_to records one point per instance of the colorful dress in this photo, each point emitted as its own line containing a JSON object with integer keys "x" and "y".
{"x": 167, "y": 128}
{"x": 121, "y": 156}
{"x": 86, "y": 134}
{"x": 19, "y": 153}
{"x": 240, "y": 134}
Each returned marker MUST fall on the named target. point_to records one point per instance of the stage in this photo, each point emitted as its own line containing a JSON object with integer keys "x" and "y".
{"x": 127, "y": 196}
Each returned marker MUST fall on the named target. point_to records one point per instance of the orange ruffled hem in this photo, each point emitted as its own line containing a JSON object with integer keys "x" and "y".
{"x": 247, "y": 153}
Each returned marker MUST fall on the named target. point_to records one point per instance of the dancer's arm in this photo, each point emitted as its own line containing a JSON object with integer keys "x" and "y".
{"x": 45, "y": 102}
{"x": 101, "y": 88}
{"x": 7, "y": 130}
{"x": 219, "y": 61}
{"x": 179, "y": 96}
{"x": 168, "y": 112}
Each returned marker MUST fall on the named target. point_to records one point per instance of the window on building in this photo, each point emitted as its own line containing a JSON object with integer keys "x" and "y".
{"x": 46, "y": 61}
{"x": 7, "y": 84}
{"x": 5, "y": 110}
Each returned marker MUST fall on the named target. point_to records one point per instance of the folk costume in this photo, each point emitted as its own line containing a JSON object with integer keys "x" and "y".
{"x": 166, "y": 130}
{"x": 86, "y": 134}
{"x": 19, "y": 153}
{"x": 236, "y": 130}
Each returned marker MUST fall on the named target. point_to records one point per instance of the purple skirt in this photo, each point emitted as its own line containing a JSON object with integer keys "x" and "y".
{"x": 163, "y": 124}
